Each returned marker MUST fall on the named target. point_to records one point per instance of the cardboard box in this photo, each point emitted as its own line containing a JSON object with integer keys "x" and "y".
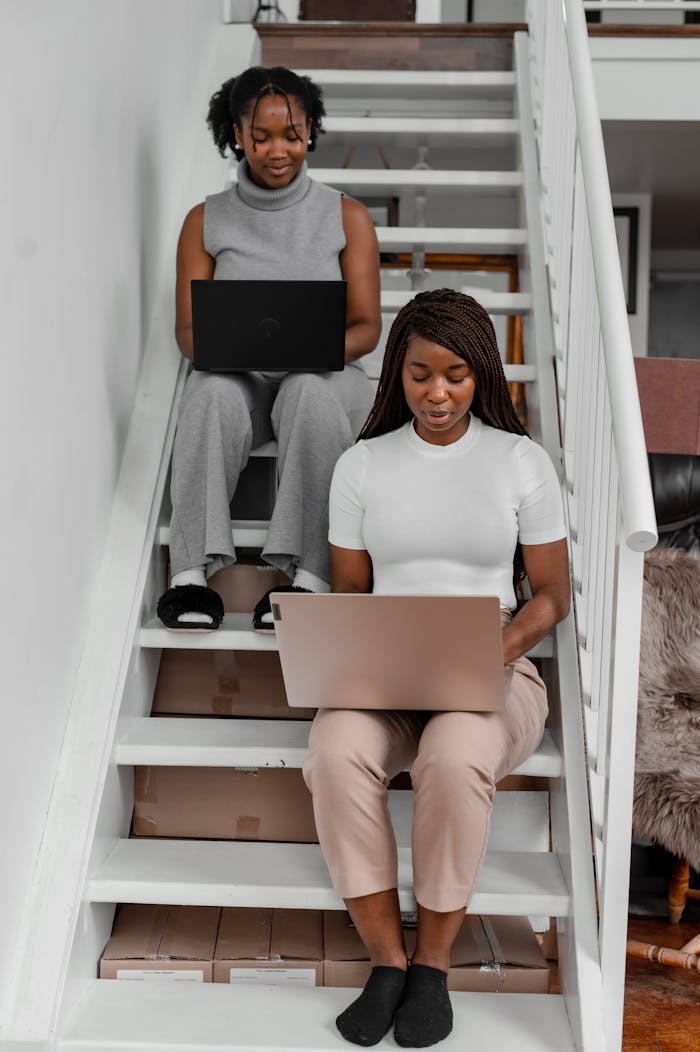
{"x": 244, "y": 583}
{"x": 492, "y": 954}
{"x": 548, "y": 941}
{"x": 220, "y": 803}
{"x": 168, "y": 943}
{"x": 270, "y": 946}
{"x": 223, "y": 683}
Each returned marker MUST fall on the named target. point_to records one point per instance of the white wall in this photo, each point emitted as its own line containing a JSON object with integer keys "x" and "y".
{"x": 96, "y": 104}
{"x": 647, "y": 78}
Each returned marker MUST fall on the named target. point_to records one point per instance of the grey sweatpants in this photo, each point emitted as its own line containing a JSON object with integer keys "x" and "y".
{"x": 314, "y": 417}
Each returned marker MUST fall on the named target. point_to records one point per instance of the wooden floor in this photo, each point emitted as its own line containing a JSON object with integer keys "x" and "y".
{"x": 662, "y": 1004}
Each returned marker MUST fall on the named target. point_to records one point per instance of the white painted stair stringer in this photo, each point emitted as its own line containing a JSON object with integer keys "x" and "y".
{"x": 55, "y": 895}
{"x": 580, "y": 973}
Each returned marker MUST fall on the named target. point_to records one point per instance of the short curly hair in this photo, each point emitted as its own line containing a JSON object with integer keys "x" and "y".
{"x": 235, "y": 96}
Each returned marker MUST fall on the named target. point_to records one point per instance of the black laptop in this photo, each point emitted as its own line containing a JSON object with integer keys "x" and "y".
{"x": 286, "y": 326}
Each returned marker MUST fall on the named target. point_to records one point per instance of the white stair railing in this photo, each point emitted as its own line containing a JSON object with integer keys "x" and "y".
{"x": 609, "y": 500}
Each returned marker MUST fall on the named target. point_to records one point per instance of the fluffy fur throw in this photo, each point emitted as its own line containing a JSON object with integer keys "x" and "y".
{"x": 667, "y": 781}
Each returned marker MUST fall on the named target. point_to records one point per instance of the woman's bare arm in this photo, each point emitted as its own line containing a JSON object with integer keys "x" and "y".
{"x": 359, "y": 263}
{"x": 193, "y": 261}
{"x": 547, "y": 568}
{"x": 351, "y": 570}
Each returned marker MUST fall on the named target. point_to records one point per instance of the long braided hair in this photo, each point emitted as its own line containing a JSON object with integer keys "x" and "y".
{"x": 242, "y": 93}
{"x": 460, "y": 324}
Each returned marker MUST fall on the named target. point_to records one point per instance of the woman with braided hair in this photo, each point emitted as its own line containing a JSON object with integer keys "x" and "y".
{"x": 275, "y": 223}
{"x": 441, "y": 487}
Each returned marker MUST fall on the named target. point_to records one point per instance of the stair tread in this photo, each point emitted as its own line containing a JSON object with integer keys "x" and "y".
{"x": 216, "y": 1017}
{"x": 381, "y": 81}
{"x": 493, "y": 302}
{"x": 450, "y": 237}
{"x": 235, "y": 633}
{"x": 212, "y": 742}
{"x": 249, "y": 873}
{"x": 421, "y": 178}
{"x": 432, "y": 126}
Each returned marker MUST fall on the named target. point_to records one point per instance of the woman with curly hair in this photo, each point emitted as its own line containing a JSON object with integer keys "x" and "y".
{"x": 442, "y": 495}
{"x": 275, "y": 223}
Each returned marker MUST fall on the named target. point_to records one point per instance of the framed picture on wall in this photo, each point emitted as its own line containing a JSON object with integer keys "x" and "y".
{"x": 627, "y": 231}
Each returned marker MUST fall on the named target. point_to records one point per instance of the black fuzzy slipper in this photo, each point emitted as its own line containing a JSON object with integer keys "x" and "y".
{"x": 190, "y": 599}
{"x": 263, "y": 607}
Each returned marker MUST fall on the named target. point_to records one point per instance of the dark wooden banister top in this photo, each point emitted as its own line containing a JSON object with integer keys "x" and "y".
{"x": 395, "y": 29}
{"x": 457, "y": 29}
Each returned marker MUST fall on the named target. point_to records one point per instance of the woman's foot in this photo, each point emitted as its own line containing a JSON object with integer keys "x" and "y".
{"x": 263, "y": 620}
{"x": 425, "y": 1014}
{"x": 366, "y": 1020}
{"x": 189, "y": 605}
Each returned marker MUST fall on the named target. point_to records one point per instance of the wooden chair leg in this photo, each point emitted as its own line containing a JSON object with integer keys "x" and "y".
{"x": 693, "y": 946}
{"x": 678, "y": 889}
{"x": 664, "y": 955}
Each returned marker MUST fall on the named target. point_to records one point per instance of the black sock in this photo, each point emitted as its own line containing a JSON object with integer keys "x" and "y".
{"x": 425, "y": 1015}
{"x": 366, "y": 1020}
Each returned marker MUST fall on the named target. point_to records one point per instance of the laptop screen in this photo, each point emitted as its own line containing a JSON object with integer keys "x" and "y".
{"x": 287, "y": 326}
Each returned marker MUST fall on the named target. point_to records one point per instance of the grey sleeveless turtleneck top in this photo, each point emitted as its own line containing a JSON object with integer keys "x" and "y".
{"x": 294, "y": 233}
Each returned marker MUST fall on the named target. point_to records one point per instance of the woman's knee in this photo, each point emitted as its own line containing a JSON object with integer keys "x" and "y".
{"x": 303, "y": 385}
{"x": 453, "y": 773}
{"x": 337, "y": 758}
{"x": 313, "y": 392}
{"x": 211, "y": 392}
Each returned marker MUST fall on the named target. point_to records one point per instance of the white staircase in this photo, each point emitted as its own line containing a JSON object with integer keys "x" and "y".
{"x": 89, "y": 862}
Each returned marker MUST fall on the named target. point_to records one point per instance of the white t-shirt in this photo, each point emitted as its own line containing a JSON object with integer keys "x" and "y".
{"x": 445, "y": 519}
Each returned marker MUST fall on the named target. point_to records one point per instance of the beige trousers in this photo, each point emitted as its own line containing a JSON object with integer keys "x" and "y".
{"x": 455, "y": 759}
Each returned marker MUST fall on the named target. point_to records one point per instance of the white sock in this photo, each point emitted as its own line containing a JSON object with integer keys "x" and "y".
{"x": 303, "y": 579}
{"x": 195, "y": 575}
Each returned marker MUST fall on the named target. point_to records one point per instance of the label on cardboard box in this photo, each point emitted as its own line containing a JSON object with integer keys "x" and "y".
{"x": 183, "y": 975}
{"x": 273, "y": 976}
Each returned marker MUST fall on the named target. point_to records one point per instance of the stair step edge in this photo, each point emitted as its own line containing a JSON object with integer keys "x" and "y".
{"x": 411, "y": 125}
{"x": 244, "y": 873}
{"x": 235, "y": 634}
{"x": 215, "y": 742}
{"x": 192, "y": 1017}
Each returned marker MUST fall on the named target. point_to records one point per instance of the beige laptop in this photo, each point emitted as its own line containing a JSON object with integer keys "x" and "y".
{"x": 435, "y": 653}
